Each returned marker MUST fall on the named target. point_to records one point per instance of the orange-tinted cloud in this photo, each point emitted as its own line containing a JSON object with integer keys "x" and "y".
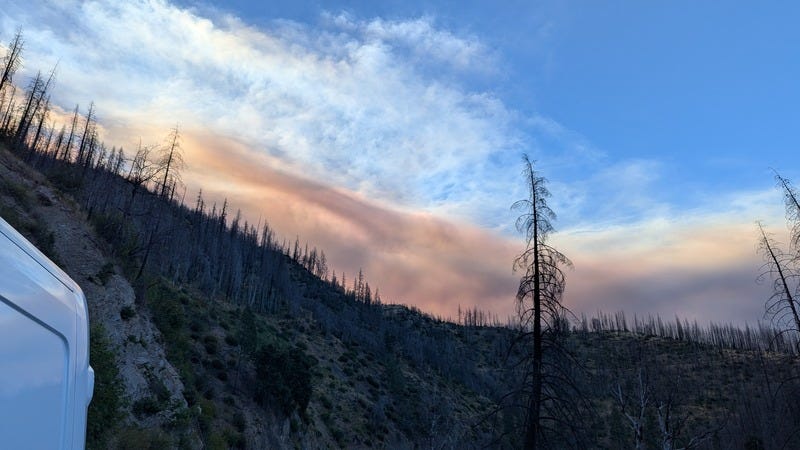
{"x": 700, "y": 268}
{"x": 412, "y": 258}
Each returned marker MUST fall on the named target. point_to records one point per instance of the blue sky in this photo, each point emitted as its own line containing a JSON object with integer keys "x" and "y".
{"x": 656, "y": 125}
{"x": 696, "y": 85}
{"x": 703, "y": 97}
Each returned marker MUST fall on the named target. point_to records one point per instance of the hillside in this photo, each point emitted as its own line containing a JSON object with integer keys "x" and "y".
{"x": 183, "y": 365}
{"x": 188, "y": 362}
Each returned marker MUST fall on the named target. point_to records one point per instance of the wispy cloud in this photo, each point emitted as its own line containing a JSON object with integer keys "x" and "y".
{"x": 374, "y": 106}
{"x": 351, "y": 103}
{"x": 363, "y": 137}
{"x": 422, "y": 40}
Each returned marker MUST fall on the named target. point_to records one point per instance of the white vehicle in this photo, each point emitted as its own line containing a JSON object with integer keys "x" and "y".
{"x": 46, "y": 382}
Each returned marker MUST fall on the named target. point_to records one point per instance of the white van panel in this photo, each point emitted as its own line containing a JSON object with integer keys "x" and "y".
{"x": 45, "y": 379}
{"x": 33, "y": 379}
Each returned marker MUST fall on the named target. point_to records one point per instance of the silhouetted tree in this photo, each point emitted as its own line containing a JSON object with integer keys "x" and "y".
{"x": 539, "y": 308}
{"x": 45, "y": 110}
{"x": 67, "y": 151}
{"x": 5, "y": 120}
{"x": 141, "y": 171}
{"x": 12, "y": 61}
{"x": 633, "y": 402}
{"x": 35, "y": 102}
{"x": 782, "y": 305}
{"x": 171, "y": 163}
{"x": 83, "y": 145}
{"x": 792, "y": 202}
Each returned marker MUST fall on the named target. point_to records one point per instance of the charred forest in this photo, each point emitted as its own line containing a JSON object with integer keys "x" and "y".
{"x": 272, "y": 348}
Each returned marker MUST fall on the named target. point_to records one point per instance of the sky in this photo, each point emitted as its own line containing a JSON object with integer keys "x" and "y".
{"x": 390, "y": 134}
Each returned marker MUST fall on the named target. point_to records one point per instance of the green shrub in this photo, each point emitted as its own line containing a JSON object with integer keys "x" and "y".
{"x": 231, "y": 340}
{"x": 11, "y": 216}
{"x": 18, "y": 192}
{"x": 105, "y": 408}
{"x": 248, "y": 332}
{"x": 158, "y": 388}
{"x": 210, "y": 343}
{"x": 168, "y": 312}
{"x": 146, "y": 406}
{"x": 234, "y": 439}
{"x": 45, "y": 240}
{"x": 283, "y": 376}
{"x": 217, "y": 442}
{"x": 207, "y": 414}
{"x": 120, "y": 234}
{"x": 127, "y": 313}
{"x": 142, "y": 439}
{"x": 338, "y": 435}
{"x": 66, "y": 178}
{"x": 196, "y": 326}
{"x": 239, "y": 421}
{"x": 190, "y": 395}
{"x": 105, "y": 273}
{"x": 326, "y": 402}
{"x": 33, "y": 230}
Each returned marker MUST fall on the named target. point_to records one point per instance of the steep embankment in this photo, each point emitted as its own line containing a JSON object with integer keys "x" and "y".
{"x": 321, "y": 371}
{"x": 58, "y": 227}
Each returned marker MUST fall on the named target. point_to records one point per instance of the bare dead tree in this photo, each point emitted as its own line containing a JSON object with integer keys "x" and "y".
{"x": 28, "y": 110}
{"x": 50, "y": 132}
{"x": 12, "y": 61}
{"x": 86, "y": 136}
{"x": 792, "y": 201}
{"x": 634, "y": 405}
{"x": 654, "y": 399}
{"x": 45, "y": 110}
{"x": 6, "y": 99}
{"x": 67, "y": 152}
{"x": 778, "y": 266}
{"x": 673, "y": 424}
{"x": 141, "y": 171}
{"x": 38, "y": 101}
{"x": 171, "y": 162}
{"x": 539, "y": 308}
{"x": 8, "y": 113}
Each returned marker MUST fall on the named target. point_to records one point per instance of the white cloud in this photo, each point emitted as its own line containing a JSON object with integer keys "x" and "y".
{"x": 423, "y": 40}
{"x": 353, "y": 103}
{"x": 373, "y": 106}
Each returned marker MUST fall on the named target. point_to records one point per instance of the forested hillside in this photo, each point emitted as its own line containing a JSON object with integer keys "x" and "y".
{"x": 212, "y": 332}
{"x": 309, "y": 365}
